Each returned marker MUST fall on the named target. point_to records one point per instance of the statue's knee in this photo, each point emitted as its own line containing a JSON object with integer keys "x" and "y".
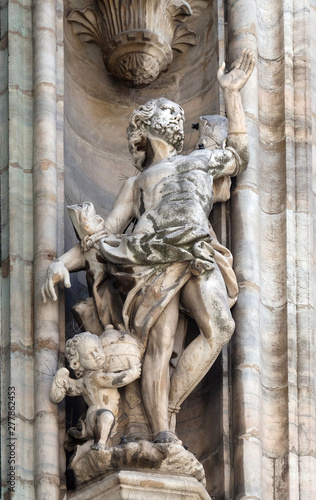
{"x": 228, "y": 330}
{"x": 219, "y": 332}
{"x": 105, "y": 415}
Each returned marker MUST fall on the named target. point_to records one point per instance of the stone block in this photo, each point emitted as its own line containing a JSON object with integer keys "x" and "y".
{"x": 137, "y": 485}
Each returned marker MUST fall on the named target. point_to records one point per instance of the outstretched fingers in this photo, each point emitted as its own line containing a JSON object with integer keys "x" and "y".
{"x": 247, "y": 62}
{"x": 43, "y": 293}
{"x": 47, "y": 291}
{"x": 67, "y": 283}
{"x": 238, "y": 63}
{"x": 50, "y": 290}
{"x": 243, "y": 60}
{"x": 251, "y": 64}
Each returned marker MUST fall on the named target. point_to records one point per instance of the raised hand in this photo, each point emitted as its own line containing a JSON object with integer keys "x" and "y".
{"x": 239, "y": 75}
{"x": 55, "y": 273}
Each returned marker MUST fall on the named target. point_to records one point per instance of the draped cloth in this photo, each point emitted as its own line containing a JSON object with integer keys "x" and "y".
{"x": 151, "y": 270}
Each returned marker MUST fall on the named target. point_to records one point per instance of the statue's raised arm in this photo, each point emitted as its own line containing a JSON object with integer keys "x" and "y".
{"x": 231, "y": 83}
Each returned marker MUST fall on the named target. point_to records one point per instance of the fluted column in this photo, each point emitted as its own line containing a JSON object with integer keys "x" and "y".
{"x": 16, "y": 250}
{"x": 46, "y": 327}
{"x": 273, "y": 378}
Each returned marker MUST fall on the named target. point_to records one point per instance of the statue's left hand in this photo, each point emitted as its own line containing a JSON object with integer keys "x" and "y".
{"x": 56, "y": 272}
{"x": 239, "y": 75}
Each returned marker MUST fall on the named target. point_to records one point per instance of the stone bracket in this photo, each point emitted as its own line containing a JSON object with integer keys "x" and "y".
{"x": 135, "y": 42}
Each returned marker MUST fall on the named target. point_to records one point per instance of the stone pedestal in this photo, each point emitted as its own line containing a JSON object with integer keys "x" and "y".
{"x": 136, "y": 485}
{"x": 163, "y": 458}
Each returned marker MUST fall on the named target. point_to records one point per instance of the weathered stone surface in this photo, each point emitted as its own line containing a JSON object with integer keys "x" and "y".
{"x": 139, "y": 485}
{"x": 164, "y": 458}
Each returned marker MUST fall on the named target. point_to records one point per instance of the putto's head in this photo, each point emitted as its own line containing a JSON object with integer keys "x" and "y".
{"x": 160, "y": 118}
{"x": 84, "y": 352}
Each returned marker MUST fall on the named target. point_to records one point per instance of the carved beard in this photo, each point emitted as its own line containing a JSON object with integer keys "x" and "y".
{"x": 171, "y": 132}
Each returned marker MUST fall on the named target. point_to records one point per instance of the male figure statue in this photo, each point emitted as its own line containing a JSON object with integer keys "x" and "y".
{"x": 167, "y": 260}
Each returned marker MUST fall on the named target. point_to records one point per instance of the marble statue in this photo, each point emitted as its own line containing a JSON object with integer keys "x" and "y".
{"x": 158, "y": 248}
{"x": 97, "y": 385}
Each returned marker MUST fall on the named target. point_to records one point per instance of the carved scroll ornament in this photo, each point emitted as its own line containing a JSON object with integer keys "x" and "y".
{"x": 136, "y": 37}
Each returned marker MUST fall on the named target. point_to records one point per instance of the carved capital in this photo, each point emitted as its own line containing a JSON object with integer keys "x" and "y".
{"x": 136, "y": 41}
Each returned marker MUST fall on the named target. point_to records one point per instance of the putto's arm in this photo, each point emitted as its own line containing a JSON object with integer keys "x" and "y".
{"x": 119, "y": 379}
{"x": 232, "y": 83}
{"x": 63, "y": 385}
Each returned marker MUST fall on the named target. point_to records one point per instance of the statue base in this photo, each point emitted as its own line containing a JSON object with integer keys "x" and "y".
{"x": 140, "y": 485}
{"x": 165, "y": 458}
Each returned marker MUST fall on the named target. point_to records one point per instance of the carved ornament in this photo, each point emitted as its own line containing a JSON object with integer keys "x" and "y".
{"x": 136, "y": 37}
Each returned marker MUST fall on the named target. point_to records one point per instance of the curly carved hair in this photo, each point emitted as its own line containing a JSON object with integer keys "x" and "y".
{"x": 136, "y": 133}
{"x": 71, "y": 352}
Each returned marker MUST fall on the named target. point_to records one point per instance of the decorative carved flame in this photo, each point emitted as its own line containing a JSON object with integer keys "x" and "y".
{"x": 136, "y": 36}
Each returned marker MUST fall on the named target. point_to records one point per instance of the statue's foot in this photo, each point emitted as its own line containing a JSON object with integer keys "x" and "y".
{"x": 137, "y": 432}
{"x": 166, "y": 437}
{"x": 75, "y": 433}
{"x": 80, "y": 431}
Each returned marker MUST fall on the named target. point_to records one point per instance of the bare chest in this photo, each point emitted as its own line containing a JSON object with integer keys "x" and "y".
{"x": 178, "y": 181}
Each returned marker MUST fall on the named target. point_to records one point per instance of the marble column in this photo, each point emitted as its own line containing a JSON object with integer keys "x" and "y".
{"x": 273, "y": 346}
{"x": 31, "y": 124}
{"x": 16, "y": 132}
{"x": 48, "y": 210}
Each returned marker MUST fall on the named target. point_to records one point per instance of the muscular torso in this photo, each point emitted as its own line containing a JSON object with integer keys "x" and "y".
{"x": 173, "y": 193}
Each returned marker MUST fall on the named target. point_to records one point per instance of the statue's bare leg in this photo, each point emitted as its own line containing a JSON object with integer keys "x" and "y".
{"x": 104, "y": 423}
{"x": 155, "y": 381}
{"x": 205, "y": 298}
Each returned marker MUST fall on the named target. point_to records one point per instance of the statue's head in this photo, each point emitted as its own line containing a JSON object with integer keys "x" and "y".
{"x": 157, "y": 118}
{"x": 84, "y": 353}
{"x": 85, "y": 219}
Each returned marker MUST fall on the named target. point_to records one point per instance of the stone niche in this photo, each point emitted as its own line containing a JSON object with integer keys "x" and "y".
{"x": 97, "y": 108}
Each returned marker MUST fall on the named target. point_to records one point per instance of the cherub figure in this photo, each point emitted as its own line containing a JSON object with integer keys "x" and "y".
{"x": 98, "y": 387}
